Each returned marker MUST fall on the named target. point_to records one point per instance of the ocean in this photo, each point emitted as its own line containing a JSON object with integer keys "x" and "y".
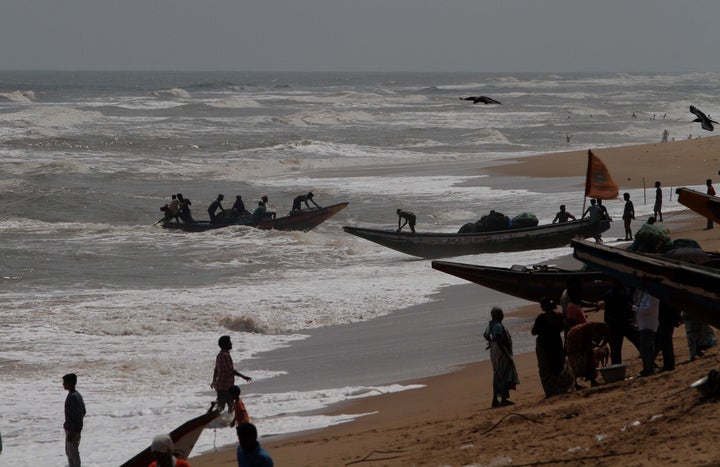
{"x": 89, "y": 285}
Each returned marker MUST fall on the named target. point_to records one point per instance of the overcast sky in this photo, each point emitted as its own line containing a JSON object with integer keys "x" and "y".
{"x": 361, "y": 35}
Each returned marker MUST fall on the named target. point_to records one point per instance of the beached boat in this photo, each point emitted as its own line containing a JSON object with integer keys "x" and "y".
{"x": 529, "y": 283}
{"x": 681, "y": 284}
{"x": 701, "y": 203}
{"x": 445, "y": 245}
{"x": 304, "y": 220}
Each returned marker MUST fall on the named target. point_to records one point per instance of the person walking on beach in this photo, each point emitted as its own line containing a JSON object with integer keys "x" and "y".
{"x": 628, "y": 216}
{"x": 505, "y": 375}
{"x": 562, "y": 215}
{"x": 620, "y": 320}
{"x": 647, "y": 315}
{"x": 249, "y": 452}
{"x": 711, "y": 192}
{"x": 657, "y": 209}
{"x": 408, "y": 218}
{"x": 555, "y": 374}
{"x": 224, "y": 374}
{"x": 74, "y": 414}
{"x": 161, "y": 450}
{"x": 595, "y": 214}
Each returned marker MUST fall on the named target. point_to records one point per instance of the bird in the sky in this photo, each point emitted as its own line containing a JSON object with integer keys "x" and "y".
{"x": 483, "y": 99}
{"x": 704, "y": 120}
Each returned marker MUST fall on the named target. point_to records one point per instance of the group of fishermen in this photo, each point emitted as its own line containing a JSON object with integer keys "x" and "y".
{"x": 179, "y": 209}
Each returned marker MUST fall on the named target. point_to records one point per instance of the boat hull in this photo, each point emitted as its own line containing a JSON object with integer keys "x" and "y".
{"x": 701, "y": 203}
{"x": 304, "y": 220}
{"x": 689, "y": 287}
{"x": 529, "y": 284}
{"x": 445, "y": 245}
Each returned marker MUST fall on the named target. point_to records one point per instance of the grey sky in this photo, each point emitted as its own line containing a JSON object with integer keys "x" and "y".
{"x": 361, "y": 35}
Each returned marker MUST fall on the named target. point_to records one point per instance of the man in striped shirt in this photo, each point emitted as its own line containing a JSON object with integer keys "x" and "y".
{"x": 224, "y": 374}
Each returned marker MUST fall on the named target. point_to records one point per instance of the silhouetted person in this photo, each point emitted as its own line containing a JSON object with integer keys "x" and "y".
{"x": 238, "y": 209}
{"x": 297, "y": 202}
{"x": 74, "y": 414}
{"x": 620, "y": 320}
{"x": 268, "y": 212}
{"x": 224, "y": 374}
{"x": 214, "y": 206}
{"x": 595, "y": 214}
{"x": 711, "y": 192}
{"x": 185, "y": 213}
{"x": 628, "y": 216}
{"x": 657, "y": 209}
{"x": 406, "y": 218}
{"x": 562, "y": 215}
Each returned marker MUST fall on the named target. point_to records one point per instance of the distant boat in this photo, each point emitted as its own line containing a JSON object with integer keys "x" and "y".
{"x": 702, "y": 203}
{"x": 184, "y": 438}
{"x": 445, "y": 245}
{"x": 530, "y": 284}
{"x": 680, "y": 284}
{"x": 303, "y": 220}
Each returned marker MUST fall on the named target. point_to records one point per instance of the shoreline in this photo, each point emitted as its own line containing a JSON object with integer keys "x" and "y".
{"x": 425, "y": 421}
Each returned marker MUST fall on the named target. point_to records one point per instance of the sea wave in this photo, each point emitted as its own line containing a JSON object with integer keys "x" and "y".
{"x": 18, "y": 96}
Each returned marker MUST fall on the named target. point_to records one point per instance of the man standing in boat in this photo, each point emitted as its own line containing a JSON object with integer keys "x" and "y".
{"x": 595, "y": 215}
{"x": 214, "y": 206}
{"x": 304, "y": 199}
{"x": 408, "y": 218}
{"x": 268, "y": 213}
{"x": 185, "y": 214}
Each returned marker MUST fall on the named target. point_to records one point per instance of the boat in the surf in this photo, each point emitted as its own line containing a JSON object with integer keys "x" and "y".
{"x": 702, "y": 203}
{"x": 184, "y": 438}
{"x": 684, "y": 285}
{"x": 432, "y": 245}
{"x": 529, "y": 283}
{"x": 298, "y": 220}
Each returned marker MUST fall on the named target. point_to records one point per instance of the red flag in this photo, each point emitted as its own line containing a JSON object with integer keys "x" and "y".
{"x": 598, "y": 182}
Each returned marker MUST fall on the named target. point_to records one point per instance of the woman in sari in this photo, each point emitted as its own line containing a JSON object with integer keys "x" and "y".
{"x": 555, "y": 373}
{"x": 505, "y": 375}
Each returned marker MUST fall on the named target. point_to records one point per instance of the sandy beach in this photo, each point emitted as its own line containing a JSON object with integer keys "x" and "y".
{"x": 657, "y": 420}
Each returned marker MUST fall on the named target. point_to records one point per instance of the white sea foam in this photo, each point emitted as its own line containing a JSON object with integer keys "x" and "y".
{"x": 18, "y": 96}
{"x": 174, "y": 92}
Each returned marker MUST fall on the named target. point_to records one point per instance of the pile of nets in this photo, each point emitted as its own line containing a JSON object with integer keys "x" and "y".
{"x": 495, "y": 221}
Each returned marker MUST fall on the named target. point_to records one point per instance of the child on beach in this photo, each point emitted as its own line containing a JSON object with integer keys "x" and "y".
{"x": 241, "y": 415}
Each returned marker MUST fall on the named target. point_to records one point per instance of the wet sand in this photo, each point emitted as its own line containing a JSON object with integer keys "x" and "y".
{"x": 656, "y": 420}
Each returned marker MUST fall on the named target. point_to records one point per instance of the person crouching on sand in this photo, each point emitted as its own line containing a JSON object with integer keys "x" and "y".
{"x": 505, "y": 375}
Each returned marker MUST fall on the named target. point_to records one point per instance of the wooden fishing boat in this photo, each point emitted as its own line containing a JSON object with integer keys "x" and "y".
{"x": 304, "y": 220}
{"x": 702, "y": 203}
{"x": 684, "y": 285}
{"x": 445, "y": 245}
{"x": 530, "y": 284}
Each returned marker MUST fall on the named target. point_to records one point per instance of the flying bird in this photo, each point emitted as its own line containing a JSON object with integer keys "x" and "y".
{"x": 483, "y": 99}
{"x": 704, "y": 120}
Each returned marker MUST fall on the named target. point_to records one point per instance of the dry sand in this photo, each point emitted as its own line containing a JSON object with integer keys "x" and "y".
{"x": 656, "y": 420}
